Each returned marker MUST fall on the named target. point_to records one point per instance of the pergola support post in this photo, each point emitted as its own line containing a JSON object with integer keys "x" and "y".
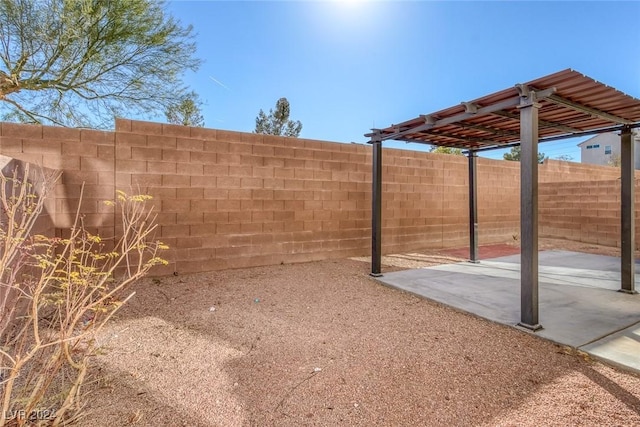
{"x": 529, "y": 212}
{"x": 473, "y": 207}
{"x": 627, "y": 211}
{"x": 376, "y": 209}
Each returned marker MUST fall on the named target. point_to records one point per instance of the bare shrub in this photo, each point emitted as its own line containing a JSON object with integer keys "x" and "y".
{"x": 56, "y": 294}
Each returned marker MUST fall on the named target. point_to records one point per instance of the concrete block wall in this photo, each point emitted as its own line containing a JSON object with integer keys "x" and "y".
{"x": 87, "y": 160}
{"x": 581, "y": 202}
{"x": 229, "y": 199}
{"x": 559, "y": 171}
{"x": 11, "y": 167}
{"x": 414, "y": 201}
{"x": 498, "y": 200}
{"x": 587, "y": 211}
{"x": 426, "y": 204}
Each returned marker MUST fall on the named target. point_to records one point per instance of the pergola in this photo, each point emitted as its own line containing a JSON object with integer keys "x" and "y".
{"x": 563, "y": 105}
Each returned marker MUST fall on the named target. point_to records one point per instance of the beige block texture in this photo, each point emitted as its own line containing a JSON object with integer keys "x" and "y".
{"x": 231, "y": 199}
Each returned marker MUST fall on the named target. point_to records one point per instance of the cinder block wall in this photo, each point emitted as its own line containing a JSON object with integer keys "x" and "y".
{"x": 581, "y": 202}
{"x": 230, "y": 199}
{"x": 86, "y": 157}
{"x": 587, "y": 211}
{"x": 11, "y": 167}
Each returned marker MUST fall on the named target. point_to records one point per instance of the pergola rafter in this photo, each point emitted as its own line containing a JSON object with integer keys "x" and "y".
{"x": 588, "y": 110}
{"x": 558, "y": 106}
{"x": 541, "y": 123}
{"x": 488, "y": 129}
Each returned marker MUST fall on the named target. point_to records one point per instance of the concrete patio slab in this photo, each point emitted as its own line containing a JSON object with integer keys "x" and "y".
{"x": 578, "y": 298}
{"x": 622, "y": 348}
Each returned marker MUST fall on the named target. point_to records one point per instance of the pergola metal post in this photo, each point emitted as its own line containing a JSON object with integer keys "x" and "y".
{"x": 529, "y": 211}
{"x": 627, "y": 211}
{"x": 561, "y": 105}
{"x": 473, "y": 207}
{"x": 376, "y": 208}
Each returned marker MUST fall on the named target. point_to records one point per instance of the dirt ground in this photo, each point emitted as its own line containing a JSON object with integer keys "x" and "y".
{"x": 323, "y": 344}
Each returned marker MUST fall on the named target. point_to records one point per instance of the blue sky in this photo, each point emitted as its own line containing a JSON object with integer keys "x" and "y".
{"x": 347, "y": 66}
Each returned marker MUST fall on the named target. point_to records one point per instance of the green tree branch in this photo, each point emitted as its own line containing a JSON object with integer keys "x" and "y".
{"x": 75, "y": 63}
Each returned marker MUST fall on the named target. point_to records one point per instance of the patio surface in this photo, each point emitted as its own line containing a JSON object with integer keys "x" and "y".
{"x": 578, "y": 299}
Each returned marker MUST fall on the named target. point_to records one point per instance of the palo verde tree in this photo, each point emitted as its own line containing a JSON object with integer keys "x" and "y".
{"x": 446, "y": 150}
{"x": 82, "y": 62}
{"x": 187, "y": 112}
{"x": 514, "y": 155}
{"x": 615, "y": 160}
{"x": 277, "y": 122}
{"x": 564, "y": 157}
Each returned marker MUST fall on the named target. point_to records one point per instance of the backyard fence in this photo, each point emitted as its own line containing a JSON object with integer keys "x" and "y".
{"x": 229, "y": 199}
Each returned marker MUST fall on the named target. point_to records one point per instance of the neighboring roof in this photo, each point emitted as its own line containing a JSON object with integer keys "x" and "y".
{"x": 576, "y": 105}
{"x": 596, "y": 138}
{"x": 607, "y": 137}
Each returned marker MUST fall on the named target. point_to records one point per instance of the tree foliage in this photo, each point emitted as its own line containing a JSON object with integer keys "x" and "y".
{"x": 514, "y": 155}
{"x": 615, "y": 160}
{"x": 277, "y": 122}
{"x": 565, "y": 157}
{"x": 446, "y": 150}
{"x": 187, "y": 112}
{"x": 82, "y": 62}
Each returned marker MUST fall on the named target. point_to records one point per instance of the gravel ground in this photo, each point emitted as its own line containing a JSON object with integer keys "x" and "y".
{"x": 323, "y": 344}
{"x": 412, "y": 260}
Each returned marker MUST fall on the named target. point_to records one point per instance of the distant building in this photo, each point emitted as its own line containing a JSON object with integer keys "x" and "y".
{"x": 604, "y": 149}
